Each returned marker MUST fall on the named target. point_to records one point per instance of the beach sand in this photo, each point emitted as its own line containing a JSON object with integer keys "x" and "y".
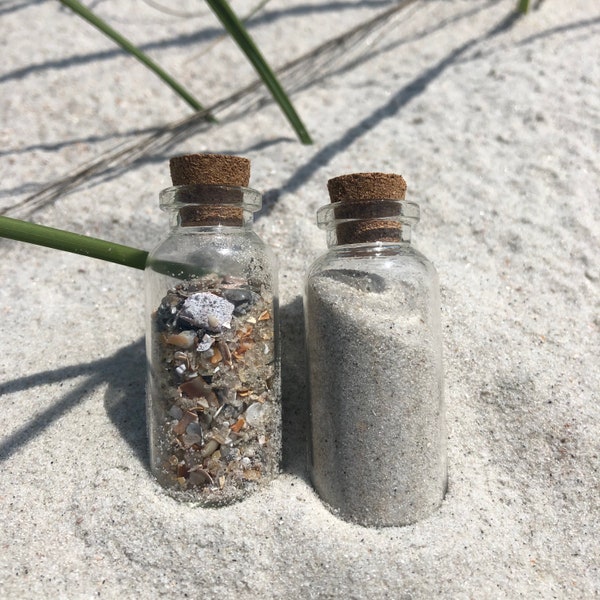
{"x": 492, "y": 119}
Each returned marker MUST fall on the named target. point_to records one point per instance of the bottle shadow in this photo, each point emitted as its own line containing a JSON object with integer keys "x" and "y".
{"x": 124, "y": 399}
{"x": 294, "y": 389}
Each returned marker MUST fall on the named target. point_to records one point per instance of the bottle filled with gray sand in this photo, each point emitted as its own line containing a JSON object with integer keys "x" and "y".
{"x": 378, "y": 447}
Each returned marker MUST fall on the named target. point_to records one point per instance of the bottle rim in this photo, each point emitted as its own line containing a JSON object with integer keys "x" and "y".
{"x": 381, "y": 209}
{"x": 176, "y": 197}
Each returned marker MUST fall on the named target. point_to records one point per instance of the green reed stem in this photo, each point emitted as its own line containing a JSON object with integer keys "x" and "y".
{"x": 58, "y": 239}
{"x": 239, "y": 33}
{"x": 86, "y": 14}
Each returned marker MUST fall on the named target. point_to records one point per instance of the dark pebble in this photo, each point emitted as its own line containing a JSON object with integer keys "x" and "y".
{"x": 241, "y": 298}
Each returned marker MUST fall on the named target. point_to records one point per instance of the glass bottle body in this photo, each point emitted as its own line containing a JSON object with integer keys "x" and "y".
{"x": 378, "y": 433}
{"x": 213, "y": 396}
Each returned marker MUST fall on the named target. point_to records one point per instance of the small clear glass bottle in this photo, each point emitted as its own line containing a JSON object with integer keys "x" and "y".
{"x": 213, "y": 394}
{"x": 378, "y": 433}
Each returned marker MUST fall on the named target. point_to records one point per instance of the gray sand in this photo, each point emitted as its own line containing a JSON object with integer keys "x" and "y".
{"x": 378, "y": 451}
{"x": 493, "y": 121}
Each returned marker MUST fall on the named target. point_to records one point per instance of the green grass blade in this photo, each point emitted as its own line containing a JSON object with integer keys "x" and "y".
{"x": 237, "y": 30}
{"x": 93, "y": 19}
{"x": 523, "y": 6}
{"x": 41, "y": 235}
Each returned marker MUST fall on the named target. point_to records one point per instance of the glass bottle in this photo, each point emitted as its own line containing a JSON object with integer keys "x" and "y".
{"x": 213, "y": 393}
{"x": 378, "y": 433}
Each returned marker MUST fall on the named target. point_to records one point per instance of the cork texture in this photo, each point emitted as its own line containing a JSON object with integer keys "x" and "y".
{"x": 359, "y": 194}
{"x": 210, "y": 169}
{"x": 208, "y": 206}
{"x": 366, "y": 186}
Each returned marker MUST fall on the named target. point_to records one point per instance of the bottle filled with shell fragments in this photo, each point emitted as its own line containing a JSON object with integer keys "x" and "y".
{"x": 213, "y": 393}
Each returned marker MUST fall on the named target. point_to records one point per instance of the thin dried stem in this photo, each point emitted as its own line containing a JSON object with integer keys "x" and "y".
{"x": 296, "y": 74}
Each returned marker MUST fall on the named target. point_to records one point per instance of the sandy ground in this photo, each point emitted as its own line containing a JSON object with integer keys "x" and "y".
{"x": 494, "y": 122}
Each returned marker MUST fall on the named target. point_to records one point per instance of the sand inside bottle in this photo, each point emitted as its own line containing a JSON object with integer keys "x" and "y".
{"x": 376, "y": 452}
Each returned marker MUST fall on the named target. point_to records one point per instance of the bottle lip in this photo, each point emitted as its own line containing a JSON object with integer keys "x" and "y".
{"x": 177, "y": 197}
{"x": 382, "y": 209}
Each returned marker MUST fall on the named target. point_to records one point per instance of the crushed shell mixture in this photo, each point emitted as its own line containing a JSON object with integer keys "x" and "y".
{"x": 215, "y": 365}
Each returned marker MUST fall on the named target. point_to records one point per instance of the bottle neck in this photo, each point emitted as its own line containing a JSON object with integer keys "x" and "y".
{"x": 368, "y": 234}
{"x": 190, "y": 220}
{"x": 210, "y": 207}
{"x": 371, "y": 221}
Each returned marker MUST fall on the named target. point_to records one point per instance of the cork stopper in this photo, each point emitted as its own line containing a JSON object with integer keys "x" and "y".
{"x": 210, "y": 206}
{"x": 361, "y": 196}
{"x": 210, "y": 169}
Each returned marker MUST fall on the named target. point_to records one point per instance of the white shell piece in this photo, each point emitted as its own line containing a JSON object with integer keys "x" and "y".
{"x": 208, "y": 311}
